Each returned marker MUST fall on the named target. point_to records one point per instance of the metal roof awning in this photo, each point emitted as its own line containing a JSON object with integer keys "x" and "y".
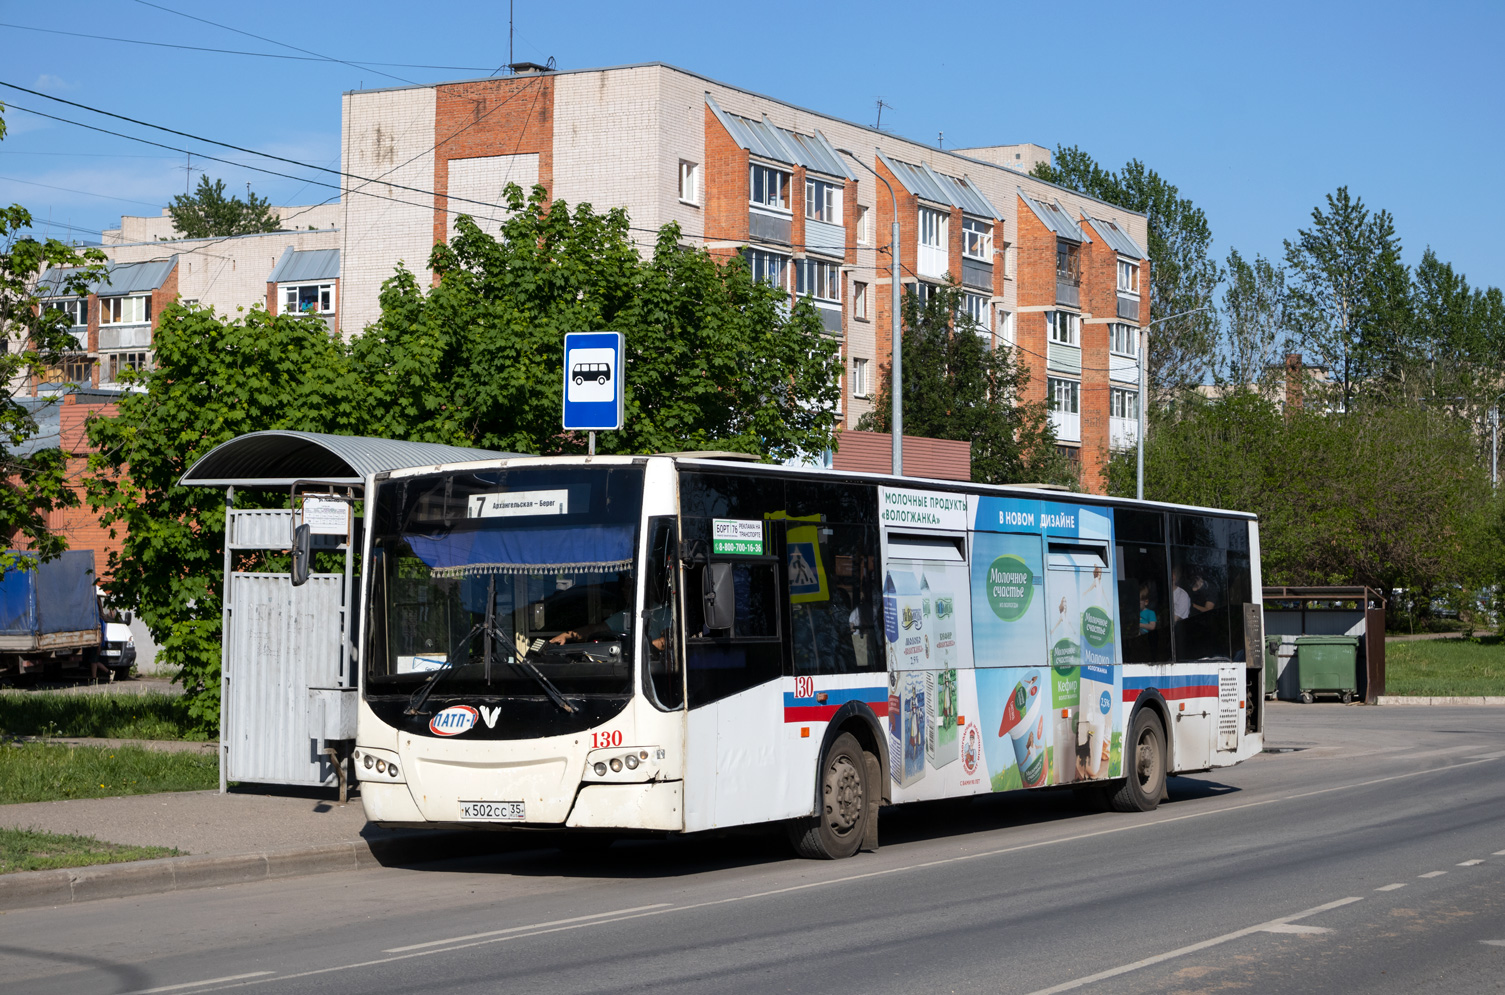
{"x": 280, "y": 458}
{"x": 938, "y": 188}
{"x": 298, "y": 265}
{"x": 116, "y": 280}
{"x": 766, "y": 139}
{"x": 1117, "y": 239}
{"x": 1054, "y": 217}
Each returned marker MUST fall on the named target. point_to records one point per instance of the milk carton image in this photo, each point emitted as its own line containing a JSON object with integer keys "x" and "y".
{"x": 906, "y": 727}
{"x": 940, "y": 717}
{"x": 905, "y": 627}
{"x": 1064, "y": 692}
{"x": 1095, "y": 720}
{"x": 944, "y": 624}
{"x": 1024, "y": 724}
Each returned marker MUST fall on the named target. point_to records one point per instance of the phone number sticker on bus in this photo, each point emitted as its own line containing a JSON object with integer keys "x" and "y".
{"x": 737, "y": 536}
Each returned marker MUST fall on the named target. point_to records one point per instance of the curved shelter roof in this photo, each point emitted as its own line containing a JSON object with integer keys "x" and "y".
{"x": 280, "y": 458}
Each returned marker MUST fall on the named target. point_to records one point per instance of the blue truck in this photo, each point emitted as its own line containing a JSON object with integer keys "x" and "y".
{"x": 50, "y": 618}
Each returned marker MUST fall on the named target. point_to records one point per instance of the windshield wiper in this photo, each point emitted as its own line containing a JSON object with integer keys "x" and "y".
{"x": 421, "y": 695}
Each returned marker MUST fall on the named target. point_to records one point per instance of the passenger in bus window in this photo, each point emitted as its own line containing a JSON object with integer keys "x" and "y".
{"x": 1180, "y": 600}
{"x": 1147, "y": 619}
{"x": 1204, "y": 592}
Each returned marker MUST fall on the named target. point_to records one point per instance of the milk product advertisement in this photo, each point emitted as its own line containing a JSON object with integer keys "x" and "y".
{"x": 940, "y": 717}
{"x": 906, "y": 727}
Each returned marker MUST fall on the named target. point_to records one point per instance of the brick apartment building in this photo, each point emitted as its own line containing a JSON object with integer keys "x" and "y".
{"x": 1057, "y": 275}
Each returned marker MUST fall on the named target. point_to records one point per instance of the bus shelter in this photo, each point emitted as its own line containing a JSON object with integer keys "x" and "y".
{"x": 288, "y": 676}
{"x": 1327, "y": 611}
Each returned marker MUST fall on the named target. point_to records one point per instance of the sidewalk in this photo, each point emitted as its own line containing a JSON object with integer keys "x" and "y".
{"x": 226, "y": 839}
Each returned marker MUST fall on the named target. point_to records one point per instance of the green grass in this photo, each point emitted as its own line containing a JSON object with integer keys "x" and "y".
{"x": 1446, "y": 667}
{"x": 30, "y": 850}
{"x": 38, "y": 772}
{"x": 110, "y": 716}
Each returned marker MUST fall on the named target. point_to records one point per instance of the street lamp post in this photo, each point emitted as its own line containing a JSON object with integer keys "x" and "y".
{"x": 1144, "y": 380}
{"x": 896, "y": 379}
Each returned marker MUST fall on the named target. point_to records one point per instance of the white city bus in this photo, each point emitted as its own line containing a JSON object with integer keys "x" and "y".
{"x": 674, "y": 644}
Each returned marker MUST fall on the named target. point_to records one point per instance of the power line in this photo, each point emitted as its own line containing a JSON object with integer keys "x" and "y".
{"x": 269, "y": 41}
{"x": 86, "y": 193}
{"x": 231, "y": 51}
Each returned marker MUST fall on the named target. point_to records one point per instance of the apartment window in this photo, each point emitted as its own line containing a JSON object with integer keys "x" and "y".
{"x": 1068, "y": 262}
{"x": 859, "y": 301}
{"x": 823, "y": 201}
{"x": 1128, "y": 277}
{"x": 1065, "y": 396}
{"x": 124, "y": 310}
{"x": 921, "y": 291}
{"x": 768, "y": 267}
{"x": 1006, "y": 328}
{"x": 977, "y": 239}
{"x": 1123, "y": 403}
{"x": 76, "y": 308}
{"x": 1065, "y": 327}
{"x": 860, "y": 385}
{"x": 1009, "y": 256}
{"x": 976, "y": 308}
{"x": 864, "y": 225}
{"x": 933, "y": 228}
{"x": 770, "y": 187}
{"x": 818, "y": 278}
{"x": 79, "y": 370}
{"x": 119, "y": 362}
{"x": 689, "y": 182}
{"x": 308, "y": 298}
{"x": 1123, "y": 339}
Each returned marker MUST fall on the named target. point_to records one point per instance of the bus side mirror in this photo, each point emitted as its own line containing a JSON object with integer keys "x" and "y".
{"x": 720, "y": 596}
{"x": 302, "y": 551}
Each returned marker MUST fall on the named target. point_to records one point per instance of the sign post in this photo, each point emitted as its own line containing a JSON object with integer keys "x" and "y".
{"x": 593, "y": 383}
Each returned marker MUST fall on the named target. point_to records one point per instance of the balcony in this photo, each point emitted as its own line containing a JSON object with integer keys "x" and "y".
{"x": 978, "y": 274}
{"x": 826, "y": 238}
{"x": 1068, "y": 292}
{"x": 1063, "y": 358}
{"x": 1068, "y": 425}
{"x": 769, "y": 226}
{"x": 121, "y": 336}
{"x": 1123, "y": 433}
{"x": 1123, "y": 369}
{"x": 932, "y": 261}
{"x": 1128, "y": 307}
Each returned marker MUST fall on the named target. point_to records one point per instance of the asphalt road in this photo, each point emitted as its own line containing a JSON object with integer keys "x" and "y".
{"x": 1370, "y": 858}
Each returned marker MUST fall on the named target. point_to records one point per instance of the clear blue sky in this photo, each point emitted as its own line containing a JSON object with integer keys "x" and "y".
{"x": 1254, "y": 111}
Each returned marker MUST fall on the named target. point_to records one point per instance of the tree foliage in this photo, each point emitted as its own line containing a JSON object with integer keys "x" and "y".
{"x": 208, "y": 213}
{"x": 33, "y": 481}
{"x": 956, "y": 387}
{"x": 1258, "y": 329}
{"x": 1183, "y": 275}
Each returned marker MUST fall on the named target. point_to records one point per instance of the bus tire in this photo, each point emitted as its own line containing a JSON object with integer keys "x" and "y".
{"x": 839, "y": 827}
{"x": 1145, "y": 784}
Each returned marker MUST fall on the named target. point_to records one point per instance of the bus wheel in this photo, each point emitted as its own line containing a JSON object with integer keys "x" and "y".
{"x": 837, "y": 830}
{"x": 1145, "y": 783}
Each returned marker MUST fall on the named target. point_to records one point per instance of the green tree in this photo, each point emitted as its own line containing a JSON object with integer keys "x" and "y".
{"x": 956, "y": 387}
{"x": 35, "y": 336}
{"x": 1350, "y": 293}
{"x": 1183, "y": 275}
{"x": 714, "y": 360}
{"x": 208, "y": 213}
{"x": 1457, "y": 340}
{"x": 1258, "y": 328}
{"x": 213, "y": 380}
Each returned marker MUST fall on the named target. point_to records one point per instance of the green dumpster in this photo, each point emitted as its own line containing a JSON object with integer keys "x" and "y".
{"x": 1327, "y": 665}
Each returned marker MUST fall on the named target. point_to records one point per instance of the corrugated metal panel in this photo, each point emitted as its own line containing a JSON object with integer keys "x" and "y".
{"x": 1054, "y": 217}
{"x": 47, "y": 413}
{"x": 278, "y": 458}
{"x": 1128, "y": 307}
{"x": 872, "y": 452}
{"x": 830, "y": 319}
{"x": 125, "y": 337}
{"x": 302, "y": 265}
{"x": 1123, "y": 369}
{"x": 769, "y": 227}
{"x": 259, "y": 528}
{"x": 827, "y": 238}
{"x": 281, "y": 641}
{"x": 977, "y": 274}
{"x": 939, "y": 188}
{"x": 767, "y": 140}
{"x": 1117, "y": 238}
{"x": 134, "y": 278}
{"x": 1063, "y": 358}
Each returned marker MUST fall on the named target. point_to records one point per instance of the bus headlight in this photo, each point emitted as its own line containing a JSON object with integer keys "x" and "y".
{"x": 632, "y": 761}
{"x": 600, "y": 769}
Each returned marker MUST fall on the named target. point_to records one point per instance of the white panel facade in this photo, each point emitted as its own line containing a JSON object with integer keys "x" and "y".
{"x": 485, "y": 179}
{"x": 388, "y": 139}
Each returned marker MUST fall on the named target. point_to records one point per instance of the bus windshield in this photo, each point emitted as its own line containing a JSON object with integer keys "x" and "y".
{"x": 504, "y": 583}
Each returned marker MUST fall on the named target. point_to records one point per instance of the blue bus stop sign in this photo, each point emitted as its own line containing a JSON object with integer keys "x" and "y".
{"x": 593, "y": 380}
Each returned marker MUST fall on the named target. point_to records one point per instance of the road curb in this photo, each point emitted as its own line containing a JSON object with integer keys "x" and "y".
{"x": 1400, "y": 699}
{"x": 35, "y": 889}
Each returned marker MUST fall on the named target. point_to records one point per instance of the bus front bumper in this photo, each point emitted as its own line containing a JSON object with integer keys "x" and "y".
{"x": 653, "y": 805}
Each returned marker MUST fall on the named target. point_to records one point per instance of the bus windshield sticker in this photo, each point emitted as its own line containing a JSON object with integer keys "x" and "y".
{"x": 517, "y": 503}
{"x": 736, "y": 536}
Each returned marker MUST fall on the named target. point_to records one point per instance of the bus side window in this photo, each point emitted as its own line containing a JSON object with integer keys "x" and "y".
{"x": 1144, "y": 603}
{"x": 832, "y": 593}
{"x": 660, "y": 627}
{"x": 720, "y": 663}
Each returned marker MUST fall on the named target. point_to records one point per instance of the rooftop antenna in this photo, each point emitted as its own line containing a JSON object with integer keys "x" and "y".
{"x": 940, "y": 139}
{"x": 881, "y": 105}
{"x": 510, "y": 59}
{"x": 188, "y": 172}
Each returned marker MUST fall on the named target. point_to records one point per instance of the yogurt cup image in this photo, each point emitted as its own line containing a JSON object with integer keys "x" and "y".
{"x": 1024, "y": 723}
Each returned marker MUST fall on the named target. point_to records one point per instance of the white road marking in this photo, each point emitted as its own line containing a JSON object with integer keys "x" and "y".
{"x": 1470, "y": 863}
{"x": 1498, "y": 853}
{"x": 1291, "y": 927}
{"x": 1389, "y": 887}
{"x": 520, "y": 929}
{"x": 1487, "y": 756}
{"x": 1263, "y": 927}
{"x": 196, "y": 984}
{"x": 924, "y": 865}
{"x": 1432, "y": 874}
{"x": 1494, "y": 943}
